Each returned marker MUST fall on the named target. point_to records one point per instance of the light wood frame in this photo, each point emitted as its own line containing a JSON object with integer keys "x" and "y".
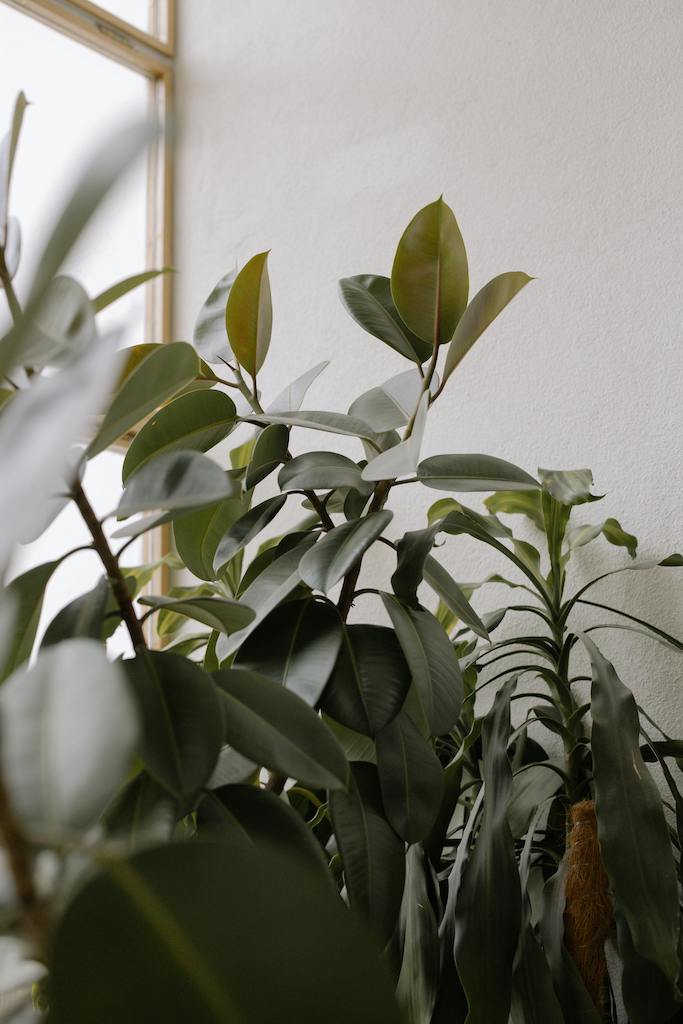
{"x": 152, "y": 56}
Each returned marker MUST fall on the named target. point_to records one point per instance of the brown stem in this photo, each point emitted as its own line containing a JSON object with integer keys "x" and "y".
{"x": 111, "y": 567}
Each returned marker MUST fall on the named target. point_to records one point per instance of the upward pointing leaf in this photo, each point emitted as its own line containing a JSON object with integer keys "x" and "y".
{"x": 291, "y": 397}
{"x": 429, "y": 278}
{"x": 340, "y": 549}
{"x": 8, "y": 149}
{"x": 367, "y": 298}
{"x": 121, "y": 288}
{"x": 249, "y": 314}
{"x": 403, "y": 457}
{"x": 245, "y": 529}
{"x": 480, "y": 314}
{"x": 210, "y": 335}
{"x": 26, "y": 593}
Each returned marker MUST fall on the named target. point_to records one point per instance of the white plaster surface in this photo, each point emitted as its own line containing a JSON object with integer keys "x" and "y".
{"x": 317, "y": 128}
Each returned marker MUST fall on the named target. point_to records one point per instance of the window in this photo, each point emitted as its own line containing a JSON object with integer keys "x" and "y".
{"x": 91, "y": 68}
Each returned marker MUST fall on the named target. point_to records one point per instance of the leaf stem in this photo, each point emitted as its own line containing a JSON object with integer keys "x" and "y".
{"x": 8, "y": 287}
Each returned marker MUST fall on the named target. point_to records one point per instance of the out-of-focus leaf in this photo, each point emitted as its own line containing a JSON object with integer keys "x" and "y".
{"x": 648, "y": 996}
{"x": 367, "y": 298}
{"x": 370, "y": 680}
{"x": 141, "y": 815}
{"x": 402, "y": 458}
{"x": 181, "y": 719}
{"x": 533, "y": 997}
{"x": 410, "y": 777}
{"x": 488, "y": 909}
{"x": 570, "y": 486}
{"x": 319, "y": 471}
{"x": 160, "y": 375}
{"x": 59, "y": 326}
{"x": 297, "y": 646}
{"x": 8, "y": 149}
{"x": 443, "y": 584}
{"x": 270, "y": 451}
{"x": 291, "y": 397}
{"x": 418, "y": 981}
{"x": 197, "y": 422}
{"x": 192, "y": 952}
{"x": 632, "y": 828}
{"x": 121, "y": 288}
{"x": 249, "y": 314}
{"x": 198, "y": 535}
{"x": 486, "y": 305}
{"x": 218, "y": 613}
{"x": 429, "y": 278}
{"x": 330, "y": 422}
{"x": 245, "y": 529}
{"x": 372, "y": 854}
{"x": 210, "y": 334}
{"x": 526, "y": 503}
{"x": 69, "y": 728}
{"x": 12, "y": 246}
{"x": 25, "y": 593}
{"x": 340, "y": 549}
{"x": 473, "y": 473}
{"x": 275, "y": 728}
{"x": 175, "y": 481}
{"x": 433, "y": 664}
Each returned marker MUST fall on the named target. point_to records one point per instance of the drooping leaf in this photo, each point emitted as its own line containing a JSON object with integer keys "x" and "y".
{"x": 404, "y": 457}
{"x": 367, "y": 298}
{"x": 249, "y": 314}
{"x": 192, "y": 952}
{"x": 526, "y": 503}
{"x": 486, "y": 305}
{"x": 218, "y": 613}
{"x": 84, "y": 617}
{"x": 570, "y": 486}
{"x": 193, "y": 422}
{"x": 181, "y": 719}
{"x": 411, "y": 554}
{"x": 121, "y": 288}
{"x": 443, "y": 584}
{"x": 161, "y": 374}
{"x": 275, "y": 728}
{"x": 430, "y": 278}
{"x": 410, "y": 777}
{"x": 473, "y": 473}
{"x": 372, "y": 854}
{"x": 319, "y": 471}
{"x": 210, "y": 333}
{"x": 370, "y": 679}
{"x": 198, "y": 535}
{"x": 339, "y": 550}
{"x": 632, "y": 827}
{"x": 69, "y": 728}
{"x": 291, "y": 397}
{"x": 270, "y": 451}
{"x": 613, "y": 532}
{"x": 331, "y": 422}
{"x": 25, "y": 593}
{"x": 174, "y": 481}
{"x": 433, "y": 664}
{"x": 488, "y": 909}
{"x": 418, "y": 981}
{"x": 245, "y": 529}
{"x": 297, "y": 646}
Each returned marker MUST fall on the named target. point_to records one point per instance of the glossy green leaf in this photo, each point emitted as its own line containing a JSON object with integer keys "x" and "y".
{"x": 142, "y": 814}
{"x": 192, "y": 952}
{"x": 404, "y": 457}
{"x": 526, "y": 503}
{"x": 245, "y": 529}
{"x": 443, "y": 584}
{"x": 430, "y": 278}
{"x": 210, "y": 333}
{"x": 372, "y": 854}
{"x": 319, "y": 471}
{"x": 411, "y": 554}
{"x": 339, "y": 550}
{"x": 277, "y": 729}
{"x": 269, "y": 452}
{"x": 488, "y": 913}
{"x": 370, "y": 680}
{"x": 433, "y": 664}
{"x": 569, "y": 487}
{"x": 159, "y": 376}
{"x": 632, "y": 827}
{"x": 84, "y": 617}
{"x": 218, "y": 613}
{"x": 174, "y": 481}
{"x": 486, "y": 305}
{"x": 25, "y": 593}
{"x": 367, "y": 298}
{"x": 129, "y": 284}
{"x": 297, "y": 646}
{"x": 181, "y": 719}
{"x": 198, "y": 535}
{"x": 473, "y": 473}
{"x": 411, "y": 778}
{"x": 291, "y": 397}
{"x": 196, "y": 422}
{"x": 249, "y": 314}
{"x": 418, "y": 981}
{"x": 69, "y": 728}
{"x": 392, "y": 404}
{"x": 331, "y": 422}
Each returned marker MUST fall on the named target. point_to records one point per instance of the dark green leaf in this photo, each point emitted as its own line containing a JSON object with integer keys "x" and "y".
{"x": 297, "y": 646}
{"x": 370, "y": 680}
{"x": 319, "y": 471}
{"x": 218, "y": 613}
{"x": 249, "y": 314}
{"x": 198, "y": 535}
{"x": 175, "y": 481}
{"x": 83, "y": 617}
{"x": 429, "y": 278}
{"x": 141, "y": 815}
{"x": 443, "y": 584}
{"x": 331, "y": 422}
{"x": 181, "y": 716}
{"x": 270, "y": 451}
{"x": 533, "y": 996}
{"x": 410, "y": 777}
{"x": 210, "y": 334}
{"x": 197, "y": 422}
{"x": 418, "y": 981}
{"x": 275, "y": 728}
{"x": 192, "y": 951}
{"x": 473, "y": 473}
{"x": 25, "y": 596}
{"x": 244, "y": 530}
{"x": 340, "y": 549}
{"x": 411, "y": 554}
{"x": 367, "y": 298}
{"x": 121, "y": 288}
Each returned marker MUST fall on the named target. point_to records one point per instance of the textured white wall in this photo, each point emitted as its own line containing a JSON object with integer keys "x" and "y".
{"x": 317, "y": 128}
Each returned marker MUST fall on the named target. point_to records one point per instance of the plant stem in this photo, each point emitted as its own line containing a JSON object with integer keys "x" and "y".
{"x": 6, "y": 281}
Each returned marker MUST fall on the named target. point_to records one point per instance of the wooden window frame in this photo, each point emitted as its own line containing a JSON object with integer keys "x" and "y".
{"x": 152, "y": 56}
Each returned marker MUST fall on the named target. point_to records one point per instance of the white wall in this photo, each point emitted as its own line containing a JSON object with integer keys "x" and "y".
{"x": 317, "y": 128}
